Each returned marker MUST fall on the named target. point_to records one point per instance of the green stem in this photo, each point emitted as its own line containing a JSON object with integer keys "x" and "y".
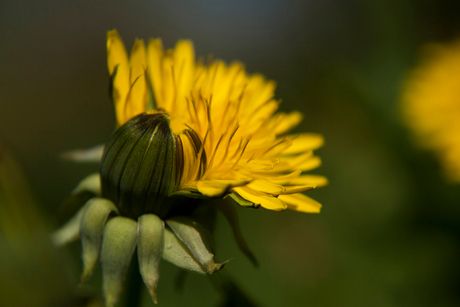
{"x": 133, "y": 285}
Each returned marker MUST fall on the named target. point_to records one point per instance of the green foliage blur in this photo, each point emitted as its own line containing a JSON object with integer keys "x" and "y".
{"x": 389, "y": 230}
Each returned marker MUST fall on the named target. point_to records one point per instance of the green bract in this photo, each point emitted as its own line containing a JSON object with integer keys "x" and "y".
{"x": 138, "y": 166}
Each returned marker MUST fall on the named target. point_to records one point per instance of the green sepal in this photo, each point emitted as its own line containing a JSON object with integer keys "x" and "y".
{"x": 241, "y": 201}
{"x": 89, "y": 155}
{"x": 198, "y": 241}
{"x": 90, "y": 183}
{"x": 150, "y": 240}
{"x": 86, "y": 189}
{"x": 175, "y": 252}
{"x": 231, "y": 215}
{"x": 118, "y": 244}
{"x": 70, "y": 231}
{"x": 91, "y": 228}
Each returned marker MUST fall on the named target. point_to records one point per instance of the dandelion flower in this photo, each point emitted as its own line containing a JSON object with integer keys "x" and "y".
{"x": 186, "y": 131}
{"x": 431, "y": 105}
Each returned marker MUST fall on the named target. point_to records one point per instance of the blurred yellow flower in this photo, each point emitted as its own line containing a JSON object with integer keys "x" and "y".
{"x": 431, "y": 105}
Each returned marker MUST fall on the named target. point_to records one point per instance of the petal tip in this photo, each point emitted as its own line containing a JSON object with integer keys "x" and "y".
{"x": 87, "y": 272}
{"x": 215, "y": 267}
{"x": 112, "y": 34}
{"x": 153, "y": 295}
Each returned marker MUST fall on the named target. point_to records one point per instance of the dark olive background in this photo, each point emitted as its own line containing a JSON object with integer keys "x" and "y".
{"x": 389, "y": 231}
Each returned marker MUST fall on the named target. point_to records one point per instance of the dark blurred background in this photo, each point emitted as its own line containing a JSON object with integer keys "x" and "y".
{"x": 389, "y": 231}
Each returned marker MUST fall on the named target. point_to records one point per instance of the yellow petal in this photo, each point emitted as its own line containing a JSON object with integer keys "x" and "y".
{"x": 285, "y": 122}
{"x": 193, "y": 167}
{"x": 276, "y": 178}
{"x": 310, "y": 164}
{"x": 259, "y": 91}
{"x": 274, "y": 150}
{"x": 116, "y": 53}
{"x": 258, "y": 198}
{"x": 304, "y": 142}
{"x": 217, "y": 71}
{"x": 262, "y": 165}
{"x": 289, "y": 163}
{"x": 304, "y": 162}
{"x": 297, "y": 189}
{"x": 259, "y": 116}
{"x": 300, "y": 202}
{"x": 136, "y": 102}
{"x": 310, "y": 180}
{"x": 238, "y": 77}
{"x": 117, "y": 60}
{"x": 168, "y": 83}
{"x": 216, "y": 188}
{"x": 137, "y": 60}
{"x": 184, "y": 71}
{"x": 227, "y": 87}
{"x": 266, "y": 187}
{"x": 154, "y": 61}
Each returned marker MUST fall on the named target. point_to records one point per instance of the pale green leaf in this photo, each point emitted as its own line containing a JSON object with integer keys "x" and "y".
{"x": 70, "y": 231}
{"x": 90, "y": 183}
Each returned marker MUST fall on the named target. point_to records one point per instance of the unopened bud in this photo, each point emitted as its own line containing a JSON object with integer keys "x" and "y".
{"x": 138, "y": 165}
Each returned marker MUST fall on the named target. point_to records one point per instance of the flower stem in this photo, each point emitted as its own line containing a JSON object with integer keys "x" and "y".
{"x": 133, "y": 285}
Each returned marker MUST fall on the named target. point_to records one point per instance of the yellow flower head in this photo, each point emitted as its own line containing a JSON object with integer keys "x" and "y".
{"x": 233, "y": 141}
{"x": 431, "y": 105}
{"x": 185, "y": 131}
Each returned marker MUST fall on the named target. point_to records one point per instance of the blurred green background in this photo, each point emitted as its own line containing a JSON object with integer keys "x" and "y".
{"x": 389, "y": 231}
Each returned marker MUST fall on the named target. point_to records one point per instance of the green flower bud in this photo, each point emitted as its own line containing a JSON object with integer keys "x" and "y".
{"x": 138, "y": 166}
